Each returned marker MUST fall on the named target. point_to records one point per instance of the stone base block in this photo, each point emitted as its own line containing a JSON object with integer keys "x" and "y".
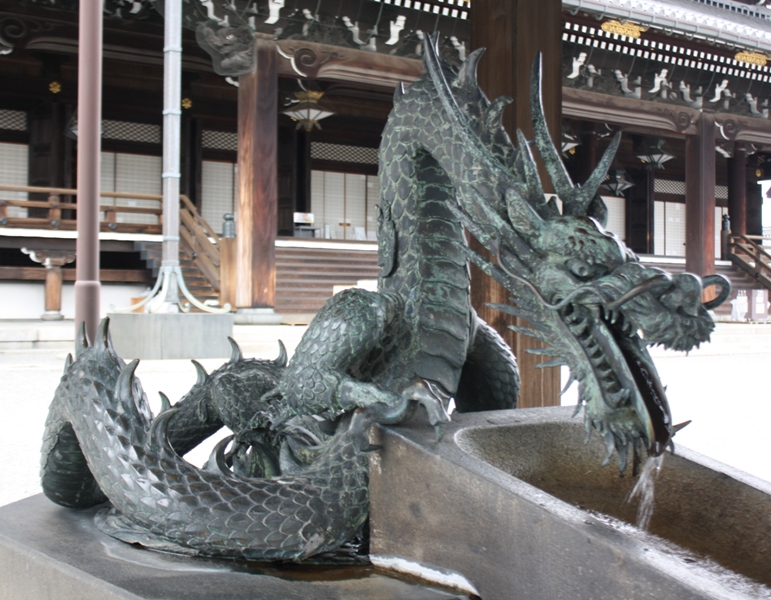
{"x": 168, "y": 336}
{"x": 258, "y": 316}
{"x": 515, "y": 503}
{"x": 51, "y": 552}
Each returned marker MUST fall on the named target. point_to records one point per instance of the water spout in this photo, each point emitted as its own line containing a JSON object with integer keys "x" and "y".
{"x": 644, "y": 489}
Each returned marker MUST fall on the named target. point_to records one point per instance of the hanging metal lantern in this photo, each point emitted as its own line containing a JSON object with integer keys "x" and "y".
{"x": 654, "y": 152}
{"x": 306, "y": 110}
{"x": 569, "y": 140}
{"x": 617, "y": 183}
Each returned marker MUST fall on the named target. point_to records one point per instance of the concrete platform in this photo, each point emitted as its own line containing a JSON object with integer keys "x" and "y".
{"x": 169, "y": 336}
{"x": 51, "y": 552}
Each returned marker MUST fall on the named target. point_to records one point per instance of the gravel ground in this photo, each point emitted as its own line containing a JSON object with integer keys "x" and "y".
{"x": 725, "y": 396}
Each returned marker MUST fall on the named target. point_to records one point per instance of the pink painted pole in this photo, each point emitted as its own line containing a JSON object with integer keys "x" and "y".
{"x": 87, "y": 287}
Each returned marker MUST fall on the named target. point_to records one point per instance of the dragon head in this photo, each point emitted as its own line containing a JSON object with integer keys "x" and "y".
{"x": 584, "y": 293}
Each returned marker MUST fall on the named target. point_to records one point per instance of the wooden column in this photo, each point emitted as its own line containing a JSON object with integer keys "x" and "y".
{"x": 585, "y": 159}
{"x": 639, "y": 211}
{"x": 700, "y": 198}
{"x": 754, "y": 208}
{"x": 53, "y": 260}
{"x": 513, "y": 31}
{"x": 257, "y": 190}
{"x": 737, "y": 189}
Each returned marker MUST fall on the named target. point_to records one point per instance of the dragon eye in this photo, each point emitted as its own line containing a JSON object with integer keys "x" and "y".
{"x": 579, "y": 268}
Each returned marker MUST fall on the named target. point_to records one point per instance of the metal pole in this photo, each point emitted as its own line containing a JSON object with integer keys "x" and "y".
{"x": 172, "y": 115}
{"x": 170, "y": 281}
{"x": 87, "y": 287}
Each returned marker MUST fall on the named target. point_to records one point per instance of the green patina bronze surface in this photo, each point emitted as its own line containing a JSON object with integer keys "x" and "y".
{"x": 292, "y": 481}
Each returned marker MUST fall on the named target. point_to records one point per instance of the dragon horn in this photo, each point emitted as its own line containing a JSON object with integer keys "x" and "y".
{"x": 125, "y": 383}
{"x": 433, "y": 38}
{"x": 236, "y": 353}
{"x": 159, "y": 429}
{"x": 467, "y": 76}
{"x": 554, "y": 165}
{"x": 434, "y": 68}
{"x": 165, "y": 402}
{"x": 591, "y": 185}
{"x": 103, "y": 335}
{"x": 535, "y": 190}
{"x": 281, "y": 358}
{"x": 67, "y": 363}
{"x": 217, "y": 462}
{"x": 398, "y": 92}
{"x": 81, "y": 340}
{"x": 494, "y": 116}
{"x": 200, "y": 372}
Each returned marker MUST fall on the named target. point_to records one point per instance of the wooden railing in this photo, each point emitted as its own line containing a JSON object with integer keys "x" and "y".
{"x": 748, "y": 253}
{"x": 58, "y": 210}
{"x": 211, "y": 254}
{"x": 214, "y": 257}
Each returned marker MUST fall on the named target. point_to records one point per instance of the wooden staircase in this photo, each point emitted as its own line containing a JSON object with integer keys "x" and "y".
{"x": 305, "y": 277}
{"x": 199, "y": 286}
{"x": 748, "y": 254}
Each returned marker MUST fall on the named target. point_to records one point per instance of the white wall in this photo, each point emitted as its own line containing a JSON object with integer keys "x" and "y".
{"x": 26, "y": 300}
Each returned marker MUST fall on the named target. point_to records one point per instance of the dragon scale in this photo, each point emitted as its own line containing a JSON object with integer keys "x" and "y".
{"x": 292, "y": 481}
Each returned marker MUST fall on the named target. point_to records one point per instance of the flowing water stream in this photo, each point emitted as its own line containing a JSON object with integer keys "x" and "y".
{"x": 644, "y": 490}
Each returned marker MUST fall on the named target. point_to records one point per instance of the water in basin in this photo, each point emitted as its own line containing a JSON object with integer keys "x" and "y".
{"x": 708, "y": 514}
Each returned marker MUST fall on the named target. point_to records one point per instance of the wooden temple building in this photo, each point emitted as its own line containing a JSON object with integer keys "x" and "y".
{"x": 283, "y": 104}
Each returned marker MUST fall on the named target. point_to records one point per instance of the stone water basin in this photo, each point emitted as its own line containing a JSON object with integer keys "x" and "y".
{"x": 512, "y": 505}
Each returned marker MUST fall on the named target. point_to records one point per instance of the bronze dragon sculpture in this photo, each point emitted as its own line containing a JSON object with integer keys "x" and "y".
{"x": 292, "y": 481}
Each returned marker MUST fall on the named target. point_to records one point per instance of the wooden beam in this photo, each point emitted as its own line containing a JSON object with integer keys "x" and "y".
{"x": 628, "y": 112}
{"x": 257, "y": 185}
{"x": 301, "y": 59}
{"x": 105, "y": 275}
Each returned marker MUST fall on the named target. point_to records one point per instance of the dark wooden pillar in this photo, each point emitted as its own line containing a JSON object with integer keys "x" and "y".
{"x": 191, "y": 161}
{"x": 585, "y": 158}
{"x": 53, "y": 261}
{"x": 754, "y": 210}
{"x": 639, "y": 211}
{"x": 303, "y": 167}
{"x": 46, "y": 145}
{"x": 700, "y": 198}
{"x": 737, "y": 189}
{"x": 257, "y": 187}
{"x": 513, "y": 31}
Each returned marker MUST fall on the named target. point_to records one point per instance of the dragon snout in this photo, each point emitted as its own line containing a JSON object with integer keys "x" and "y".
{"x": 687, "y": 291}
{"x": 725, "y": 290}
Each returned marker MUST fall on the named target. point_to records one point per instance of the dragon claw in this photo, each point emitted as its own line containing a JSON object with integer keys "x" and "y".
{"x": 359, "y": 428}
{"x": 421, "y": 392}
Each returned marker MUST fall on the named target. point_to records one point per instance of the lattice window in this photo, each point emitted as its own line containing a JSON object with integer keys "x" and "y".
{"x": 131, "y": 132}
{"x": 342, "y": 153}
{"x": 218, "y": 191}
{"x": 616, "y": 215}
{"x": 14, "y": 120}
{"x": 669, "y": 186}
{"x": 219, "y": 140}
{"x": 13, "y": 171}
{"x": 131, "y": 173}
{"x": 343, "y": 205}
{"x": 669, "y": 228}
